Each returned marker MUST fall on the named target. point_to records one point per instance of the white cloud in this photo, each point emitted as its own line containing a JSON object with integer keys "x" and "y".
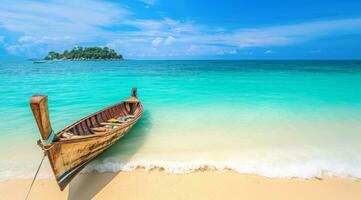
{"x": 170, "y": 40}
{"x": 13, "y": 49}
{"x": 204, "y": 50}
{"x": 156, "y": 42}
{"x": 25, "y": 38}
{"x": 56, "y": 25}
{"x": 275, "y": 35}
{"x": 60, "y": 18}
{"x": 33, "y": 46}
{"x": 42, "y": 39}
{"x": 291, "y": 34}
{"x": 269, "y": 52}
{"x": 165, "y": 25}
{"x": 23, "y": 49}
{"x": 2, "y": 38}
{"x": 145, "y": 24}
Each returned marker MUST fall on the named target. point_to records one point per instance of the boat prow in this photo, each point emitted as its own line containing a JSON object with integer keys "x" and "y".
{"x": 72, "y": 148}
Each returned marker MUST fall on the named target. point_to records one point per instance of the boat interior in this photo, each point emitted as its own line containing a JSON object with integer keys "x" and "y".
{"x": 110, "y": 118}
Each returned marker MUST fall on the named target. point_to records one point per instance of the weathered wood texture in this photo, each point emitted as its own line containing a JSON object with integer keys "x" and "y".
{"x": 68, "y": 156}
{"x": 39, "y": 106}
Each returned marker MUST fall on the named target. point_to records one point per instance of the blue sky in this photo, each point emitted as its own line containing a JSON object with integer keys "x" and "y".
{"x": 185, "y": 29}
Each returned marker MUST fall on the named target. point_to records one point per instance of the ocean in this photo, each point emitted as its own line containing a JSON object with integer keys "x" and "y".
{"x": 272, "y": 118}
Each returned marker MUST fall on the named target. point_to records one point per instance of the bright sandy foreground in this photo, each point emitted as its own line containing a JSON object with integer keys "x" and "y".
{"x": 159, "y": 185}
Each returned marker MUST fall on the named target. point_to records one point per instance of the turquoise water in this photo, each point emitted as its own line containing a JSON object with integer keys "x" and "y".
{"x": 273, "y": 118}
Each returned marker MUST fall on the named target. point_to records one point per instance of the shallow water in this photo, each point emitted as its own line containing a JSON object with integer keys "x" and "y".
{"x": 274, "y": 118}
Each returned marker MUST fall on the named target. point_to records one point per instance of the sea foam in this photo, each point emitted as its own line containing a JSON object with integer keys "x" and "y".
{"x": 308, "y": 169}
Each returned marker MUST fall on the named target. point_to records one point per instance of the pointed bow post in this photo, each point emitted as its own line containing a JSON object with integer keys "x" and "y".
{"x": 39, "y": 106}
{"x": 134, "y": 92}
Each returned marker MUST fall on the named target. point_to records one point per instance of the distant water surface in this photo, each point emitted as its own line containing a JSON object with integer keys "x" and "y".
{"x": 273, "y": 118}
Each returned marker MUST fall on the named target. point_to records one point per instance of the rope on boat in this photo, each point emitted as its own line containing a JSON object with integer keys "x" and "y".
{"x": 37, "y": 171}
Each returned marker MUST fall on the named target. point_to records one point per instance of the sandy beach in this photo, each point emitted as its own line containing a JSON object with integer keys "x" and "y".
{"x": 159, "y": 185}
{"x": 180, "y": 100}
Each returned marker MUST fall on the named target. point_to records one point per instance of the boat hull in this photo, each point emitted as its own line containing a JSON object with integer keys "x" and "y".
{"x": 67, "y": 158}
{"x": 72, "y": 148}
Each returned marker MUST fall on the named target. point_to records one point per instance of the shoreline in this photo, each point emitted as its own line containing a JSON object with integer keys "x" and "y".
{"x": 79, "y": 59}
{"x": 201, "y": 184}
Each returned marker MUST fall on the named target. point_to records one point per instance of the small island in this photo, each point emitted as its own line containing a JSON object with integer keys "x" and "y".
{"x": 87, "y": 53}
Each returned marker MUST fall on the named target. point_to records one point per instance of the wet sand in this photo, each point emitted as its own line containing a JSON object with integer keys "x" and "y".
{"x": 140, "y": 184}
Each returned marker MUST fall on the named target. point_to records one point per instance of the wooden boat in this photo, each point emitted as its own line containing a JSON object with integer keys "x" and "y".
{"x": 72, "y": 148}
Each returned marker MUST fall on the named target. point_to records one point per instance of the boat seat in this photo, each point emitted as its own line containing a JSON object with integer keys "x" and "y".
{"x": 69, "y": 135}
{"x": 99, "y": 129}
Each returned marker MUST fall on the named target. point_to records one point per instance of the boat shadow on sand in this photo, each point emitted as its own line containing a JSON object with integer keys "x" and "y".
{"x": 87, "y": 185}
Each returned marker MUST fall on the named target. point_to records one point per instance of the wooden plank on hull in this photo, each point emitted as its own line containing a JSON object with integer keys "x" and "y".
{"x": 68, "y": 155}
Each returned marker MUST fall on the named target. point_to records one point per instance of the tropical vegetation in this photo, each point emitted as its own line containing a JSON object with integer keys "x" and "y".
{"x": 87, "y": 53}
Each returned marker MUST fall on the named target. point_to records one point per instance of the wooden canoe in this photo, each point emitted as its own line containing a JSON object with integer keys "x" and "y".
{"x": 72, "y": 148}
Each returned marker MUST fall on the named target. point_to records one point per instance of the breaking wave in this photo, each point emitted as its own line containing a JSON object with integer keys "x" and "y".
{"x": 310, "y": 169}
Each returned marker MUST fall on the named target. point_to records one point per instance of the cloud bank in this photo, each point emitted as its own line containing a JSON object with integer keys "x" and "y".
{"x": 39, "y": 26}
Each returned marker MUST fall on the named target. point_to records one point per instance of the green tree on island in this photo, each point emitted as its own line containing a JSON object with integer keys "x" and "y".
{"x": 87, "y": 53}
